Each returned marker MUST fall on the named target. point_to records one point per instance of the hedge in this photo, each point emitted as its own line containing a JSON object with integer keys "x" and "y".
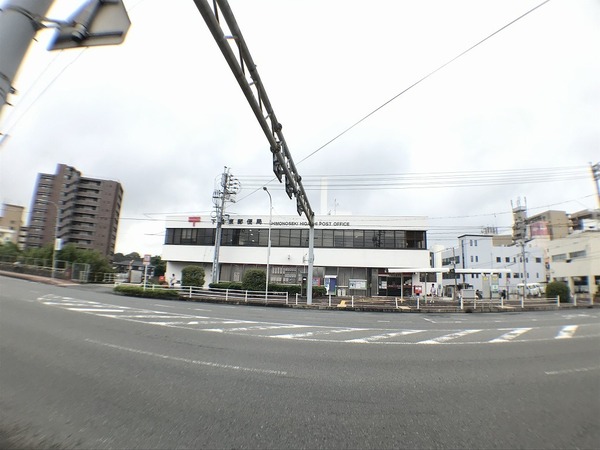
{"x": 138, "y": 291}
{"x": 291, "y": 289}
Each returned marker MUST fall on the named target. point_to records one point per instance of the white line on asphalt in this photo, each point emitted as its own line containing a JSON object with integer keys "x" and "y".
{"x": 565, "y": 371}
{"x": 448, "y": 337}
{"x": 164, "y": 306}
{"x": 315, "y": 333}
{"x": 201, "y": 309}
{"x": 256, "y": 328}
{"x": 155, "y": 316}
{"x": 97, "y": 310}
{"x": 566, "y": 332}
{"x": 507, "y": 337}
{"x": 429, "y": 320}
{"x": 380, "y": 337}
{"x": 189, "y": 361}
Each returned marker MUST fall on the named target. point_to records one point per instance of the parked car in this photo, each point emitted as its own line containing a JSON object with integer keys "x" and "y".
{"x": 533, "y": 289}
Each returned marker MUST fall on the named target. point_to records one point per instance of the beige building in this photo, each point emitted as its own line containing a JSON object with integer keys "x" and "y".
{"x": 11, "y": 223}
{"x": 575, "y": 260}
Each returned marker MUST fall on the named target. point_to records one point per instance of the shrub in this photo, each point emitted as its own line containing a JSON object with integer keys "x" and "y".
{"x": 254, "y": 280}
{"x": 226, "y": 285}
{"x": 555, "y": 288}
{"x": 192, "y": 276}
{"x": 138, "y": 291}
{"x": 319, "y": 291}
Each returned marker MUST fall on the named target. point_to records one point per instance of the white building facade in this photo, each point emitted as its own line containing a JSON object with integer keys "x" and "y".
{"x": 505, "y": 264}
{"x": 352, "y": 254}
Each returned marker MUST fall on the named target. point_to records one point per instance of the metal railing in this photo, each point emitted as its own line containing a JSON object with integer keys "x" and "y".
{"x": 407, "y": 304}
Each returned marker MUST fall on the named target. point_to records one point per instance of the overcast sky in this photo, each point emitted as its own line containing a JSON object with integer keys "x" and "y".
{"x": 162, "y": 113}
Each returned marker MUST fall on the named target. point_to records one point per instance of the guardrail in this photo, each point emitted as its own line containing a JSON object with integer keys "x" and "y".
{"x": 227, "y": 295}
{"x": 414, "y": 303}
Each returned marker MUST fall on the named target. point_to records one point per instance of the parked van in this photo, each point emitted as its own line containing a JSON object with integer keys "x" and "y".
{"x": 533, "y": 289}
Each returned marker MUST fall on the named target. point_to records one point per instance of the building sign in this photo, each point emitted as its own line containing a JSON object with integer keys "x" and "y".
{"x": 357, "y": 284}
{"x": 194, "y": 220}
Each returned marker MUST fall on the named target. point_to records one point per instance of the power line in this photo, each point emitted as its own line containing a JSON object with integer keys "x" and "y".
{"x": 421, "y": 80}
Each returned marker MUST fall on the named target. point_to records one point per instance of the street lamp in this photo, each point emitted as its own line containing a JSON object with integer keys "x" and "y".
{"x": 55, "y": 235}
{"x": 269, "y": 242}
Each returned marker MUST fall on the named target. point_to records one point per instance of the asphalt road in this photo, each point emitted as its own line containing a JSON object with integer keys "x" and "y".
{"x": 81, "y": 368}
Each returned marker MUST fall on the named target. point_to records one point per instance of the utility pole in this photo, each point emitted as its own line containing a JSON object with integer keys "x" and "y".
{"x": 96, "y": 22}
{"x": 228, "y": 187}
{"x": 20, "y": 20}
{"x": 595, "y": 168}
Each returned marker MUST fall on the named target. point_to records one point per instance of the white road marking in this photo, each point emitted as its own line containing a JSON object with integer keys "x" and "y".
{"x": 448, "y": 337}
{"x": 98, "y": 310}
{"x": 256, "y": 328}
{"x": 189, "y": 361}
{"x": 566, "y": 332}
{"x": 566, "y": 371}
{"x": 318, "y": 332}
{"x": 507, "y": 337}
{"x": 379, "y": 337}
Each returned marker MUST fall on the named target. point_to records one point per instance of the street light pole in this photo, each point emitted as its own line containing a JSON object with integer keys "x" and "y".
{"x": 269, "y": 242}
{"x": 56, "y": 226}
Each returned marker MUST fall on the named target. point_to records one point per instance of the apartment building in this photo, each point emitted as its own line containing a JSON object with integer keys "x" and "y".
{"x": 75, "y": 209}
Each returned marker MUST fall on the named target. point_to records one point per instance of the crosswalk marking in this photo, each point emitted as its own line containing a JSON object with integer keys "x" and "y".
{"x": 310, "y": 334}
{"x": 566, "y": 332}
{"x": 513, "y": 334}
{"x": 380, "y": 337}
{"x": 98, "y": 310}
{"x": 314, "y": 332}
{"x": 256, "y": 328}
{"x": 448, "y": 337}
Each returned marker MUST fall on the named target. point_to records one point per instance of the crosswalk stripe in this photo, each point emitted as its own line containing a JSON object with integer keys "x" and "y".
{"x": 95, "y": 310}
{"x": 315, "y": 333}
{"x": 513, "y": 334}
{"x": 566, "y": 332}
{"x": 448, "y": 337}
{"x": 256, "y": 328}
{"x": 379, "y": 337}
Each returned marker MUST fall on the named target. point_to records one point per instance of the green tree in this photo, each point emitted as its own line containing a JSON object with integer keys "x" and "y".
{"x": 9, "y": 250}
{"x": 192, "y": 276}
{"x": 160, "y": 266}
{"x": 97, "y": 261}
{"x": 254, "y": 280}
{"x": 557, "y": 288}
{"x": 42, "y": 253}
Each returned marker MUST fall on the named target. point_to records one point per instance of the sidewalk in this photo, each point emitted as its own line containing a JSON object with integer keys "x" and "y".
{"x": 39, "y": 279}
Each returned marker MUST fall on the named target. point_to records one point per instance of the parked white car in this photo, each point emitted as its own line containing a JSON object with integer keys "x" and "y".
{"x": 533, "y": 289}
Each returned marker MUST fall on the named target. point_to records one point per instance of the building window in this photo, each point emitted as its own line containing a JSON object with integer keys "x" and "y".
{"x": 498, "y": 259}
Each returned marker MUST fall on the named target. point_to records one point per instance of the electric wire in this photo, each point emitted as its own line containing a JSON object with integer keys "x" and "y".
{"x": 421, "y": 80}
